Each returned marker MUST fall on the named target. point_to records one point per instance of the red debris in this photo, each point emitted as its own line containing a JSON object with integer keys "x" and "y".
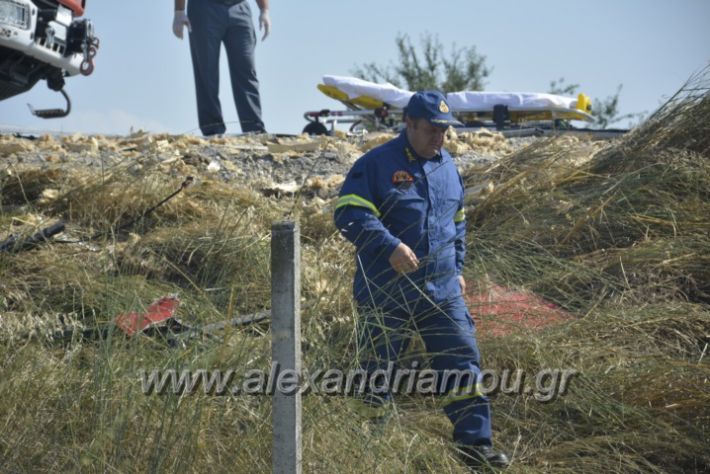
{"x": 156, "y": 314}
{"x": 75, "y": 6}
{"x": 499, "y": 311}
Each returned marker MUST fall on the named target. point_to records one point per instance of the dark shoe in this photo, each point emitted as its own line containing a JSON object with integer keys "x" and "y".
{"x": 483, "y": 456}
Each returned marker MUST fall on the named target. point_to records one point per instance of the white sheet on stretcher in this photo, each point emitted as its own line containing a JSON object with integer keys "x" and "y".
{"x": 467, "y": 101}
{"x": 484, "y": 101}
{"x": 355, "y": 87}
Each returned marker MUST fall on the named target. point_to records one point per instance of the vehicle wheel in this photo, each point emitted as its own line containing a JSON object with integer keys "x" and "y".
{"x": 315, "y": 128}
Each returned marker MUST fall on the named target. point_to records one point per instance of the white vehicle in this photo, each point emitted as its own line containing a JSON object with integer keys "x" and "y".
{"x": 44, "y": 39}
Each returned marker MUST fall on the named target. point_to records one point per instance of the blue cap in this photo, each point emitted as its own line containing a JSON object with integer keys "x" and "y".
{"x": 431, "y": 105}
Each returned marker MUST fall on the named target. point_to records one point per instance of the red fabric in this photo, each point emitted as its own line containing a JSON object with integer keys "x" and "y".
{"x": 77, "y": 6}
{"x": 156, "y": 313}
{"x": 499, "y": 311}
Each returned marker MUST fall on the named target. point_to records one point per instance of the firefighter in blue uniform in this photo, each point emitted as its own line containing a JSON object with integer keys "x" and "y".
{"x": 401, "y": 205}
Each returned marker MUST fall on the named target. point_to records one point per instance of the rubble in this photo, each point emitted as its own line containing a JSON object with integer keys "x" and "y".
{"x": 272, "y": 165}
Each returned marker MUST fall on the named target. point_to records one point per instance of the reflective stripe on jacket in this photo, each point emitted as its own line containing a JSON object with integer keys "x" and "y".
{"x": 390, "y": 196}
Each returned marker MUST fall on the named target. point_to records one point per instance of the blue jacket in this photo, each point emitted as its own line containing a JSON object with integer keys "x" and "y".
{"x": 390, "y": 196}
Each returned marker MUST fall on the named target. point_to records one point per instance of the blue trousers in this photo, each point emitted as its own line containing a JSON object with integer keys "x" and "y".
{"x": 215, "y": 23}
{"x": 449, "y": 336}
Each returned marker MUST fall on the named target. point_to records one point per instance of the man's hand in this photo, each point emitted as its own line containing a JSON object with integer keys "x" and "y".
{"x": 462, "y": 282}
{"x": 264, "y": 23}
{"x": 403, "y": 259}
{"x": 180, "y": 20}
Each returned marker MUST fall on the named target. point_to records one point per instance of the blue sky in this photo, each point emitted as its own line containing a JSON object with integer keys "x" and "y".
{"x": 143, "y": 76}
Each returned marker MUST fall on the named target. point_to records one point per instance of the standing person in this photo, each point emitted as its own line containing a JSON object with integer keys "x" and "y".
{"x": 402, "y": 206}
{"x": 211, "y": 23}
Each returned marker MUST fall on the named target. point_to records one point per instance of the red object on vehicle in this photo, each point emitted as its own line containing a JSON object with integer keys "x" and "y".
{"x": 499, "y": 311}
{"x": 77, "y": 6}
{"x": 157, "y": 313}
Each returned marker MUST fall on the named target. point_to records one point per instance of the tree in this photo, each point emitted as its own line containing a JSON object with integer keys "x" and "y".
{"x": 604, "y": 111}
{"x": 462, "y": 69}
{"x": 559, "y": 87}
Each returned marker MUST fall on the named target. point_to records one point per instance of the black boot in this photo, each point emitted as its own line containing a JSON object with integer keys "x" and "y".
{"x": 483, "y": 456}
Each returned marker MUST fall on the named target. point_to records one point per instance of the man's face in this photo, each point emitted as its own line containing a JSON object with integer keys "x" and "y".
{"x": 425, "y": 138}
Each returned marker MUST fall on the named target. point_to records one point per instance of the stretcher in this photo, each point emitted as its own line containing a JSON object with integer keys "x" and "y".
{"x": 374, "y": 106}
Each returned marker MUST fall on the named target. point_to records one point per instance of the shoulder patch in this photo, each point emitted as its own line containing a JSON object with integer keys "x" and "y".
{"x": 410, "y": 154}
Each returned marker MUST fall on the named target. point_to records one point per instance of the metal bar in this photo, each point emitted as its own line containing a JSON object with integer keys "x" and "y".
{"x": 14, "y": 245}
{"x": 286, "y": 347}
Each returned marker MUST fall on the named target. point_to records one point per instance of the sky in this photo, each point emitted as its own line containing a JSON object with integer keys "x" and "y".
{"x": 143, "y": 77}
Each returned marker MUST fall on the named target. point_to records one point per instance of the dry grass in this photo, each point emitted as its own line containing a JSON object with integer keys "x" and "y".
{"x": 617, "y": 234}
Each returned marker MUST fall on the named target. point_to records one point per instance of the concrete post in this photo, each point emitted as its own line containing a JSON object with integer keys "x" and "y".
{"x": 286, "y": 345}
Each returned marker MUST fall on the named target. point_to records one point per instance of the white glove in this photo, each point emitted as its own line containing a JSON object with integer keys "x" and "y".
{"x": 179, "y": 21}
{"x": 264, "y": 23}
